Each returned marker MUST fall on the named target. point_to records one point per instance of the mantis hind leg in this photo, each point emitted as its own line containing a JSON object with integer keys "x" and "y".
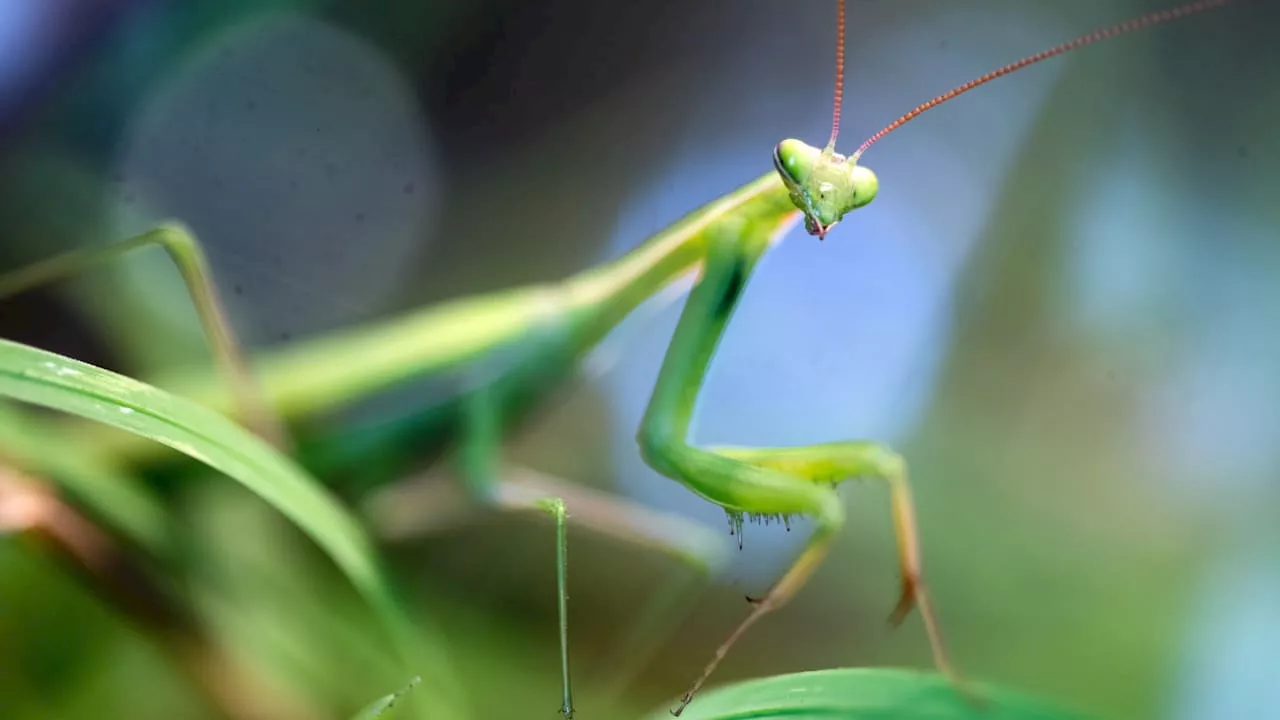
{"x": 184, "y": 250}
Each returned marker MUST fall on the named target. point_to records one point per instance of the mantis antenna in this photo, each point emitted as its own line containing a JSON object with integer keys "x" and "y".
{"x": 1152, "y": 18}
{"x": 839, "y": 95}
{"x": 826, "y": 186}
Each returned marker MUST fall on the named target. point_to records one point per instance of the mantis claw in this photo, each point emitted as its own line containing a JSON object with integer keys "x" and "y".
{"x": 684, "y": 703}
{"x": 906, "y": 601}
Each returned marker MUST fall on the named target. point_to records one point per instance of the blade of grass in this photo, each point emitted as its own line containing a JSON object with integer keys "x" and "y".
{"x": 46, "y": 379}
{"x": 862, "y": 694}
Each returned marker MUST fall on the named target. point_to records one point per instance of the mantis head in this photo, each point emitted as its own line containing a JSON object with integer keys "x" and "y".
{"x": 823, "y": 184}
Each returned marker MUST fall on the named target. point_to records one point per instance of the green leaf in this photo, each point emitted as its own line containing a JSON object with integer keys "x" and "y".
{"x": 43, "y": 378}
{"x": 381, "y": 709}
{"x": 858, "y": 694}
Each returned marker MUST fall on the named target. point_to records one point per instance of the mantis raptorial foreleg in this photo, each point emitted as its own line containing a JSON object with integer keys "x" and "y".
{"x": 765, "y": 481}
{"x": 184, "y": 249}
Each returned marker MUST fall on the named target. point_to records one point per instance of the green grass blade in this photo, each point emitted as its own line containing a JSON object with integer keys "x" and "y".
{"x": 42, "y": 378}
{"x": 860, "y": 694}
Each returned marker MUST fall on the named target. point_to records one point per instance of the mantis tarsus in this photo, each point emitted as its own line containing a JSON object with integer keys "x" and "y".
{"x": 505, "y": 349}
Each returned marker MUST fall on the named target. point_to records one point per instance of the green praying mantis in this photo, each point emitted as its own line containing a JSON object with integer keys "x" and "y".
{"x": 503, "y": 352}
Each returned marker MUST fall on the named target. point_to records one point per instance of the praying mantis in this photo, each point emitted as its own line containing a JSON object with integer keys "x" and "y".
{"x": 502, "y": 352}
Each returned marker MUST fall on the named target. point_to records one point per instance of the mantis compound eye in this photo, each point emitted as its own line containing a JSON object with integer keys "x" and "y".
{"x": 823, "y": 184}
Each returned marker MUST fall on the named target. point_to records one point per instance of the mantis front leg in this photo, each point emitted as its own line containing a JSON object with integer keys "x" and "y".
{"x": 766, "y": 481}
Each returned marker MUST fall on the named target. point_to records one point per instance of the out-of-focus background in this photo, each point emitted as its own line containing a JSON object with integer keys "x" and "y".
{"x": 1062, "y": 309}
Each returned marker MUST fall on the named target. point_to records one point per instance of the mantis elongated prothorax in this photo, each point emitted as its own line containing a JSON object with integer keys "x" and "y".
{"x": 825, "y": 185}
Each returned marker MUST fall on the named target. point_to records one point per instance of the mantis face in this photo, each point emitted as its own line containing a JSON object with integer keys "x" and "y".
{"x": 823, "y": 184}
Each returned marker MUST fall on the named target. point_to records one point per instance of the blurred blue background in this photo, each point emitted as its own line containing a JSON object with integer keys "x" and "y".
{"x": 1059, "y": 308}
